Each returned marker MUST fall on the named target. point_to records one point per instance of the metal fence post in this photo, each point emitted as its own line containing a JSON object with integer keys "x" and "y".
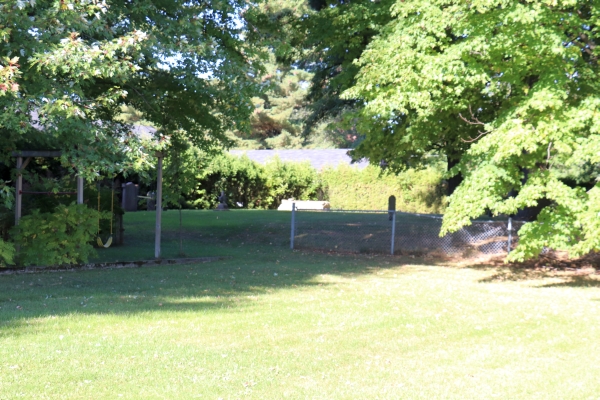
{"x": 159, "y": 183}
{"x": 292, "y": 234}
{"x": 509, "y": 234}
{"x": 393, "y": 231}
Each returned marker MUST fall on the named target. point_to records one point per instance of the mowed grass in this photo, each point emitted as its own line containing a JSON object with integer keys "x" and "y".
{"x": 203, "y": 233}
{"x": 270, "y": 323}
{"x": 210, "y": 233}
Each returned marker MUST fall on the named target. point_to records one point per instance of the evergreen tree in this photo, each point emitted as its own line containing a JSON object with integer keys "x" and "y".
{"x": 279, "y": 120}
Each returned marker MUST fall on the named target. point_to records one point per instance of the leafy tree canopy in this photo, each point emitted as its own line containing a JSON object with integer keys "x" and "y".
{"x": 68, "y": 68}
{"x": 331, "y": 38}
{"x": 510, "y": 87}
{"x": 324, "y": 37}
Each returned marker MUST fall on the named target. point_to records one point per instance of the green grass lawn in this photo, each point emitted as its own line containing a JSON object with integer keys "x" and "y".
{"x": 269, "y": 323}
{"x": 210, "y": 233}
{"x": 203, "y": 234}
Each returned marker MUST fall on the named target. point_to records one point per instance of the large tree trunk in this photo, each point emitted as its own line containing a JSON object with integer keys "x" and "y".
{"x": 452, "y": 183}
{"x": 531, "y": 213}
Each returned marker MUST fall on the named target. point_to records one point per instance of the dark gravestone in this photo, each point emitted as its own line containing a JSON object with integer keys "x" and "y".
{"x": 130, "y": 196}
{"x": 391, "y": 206}
{"x": 222, "y": 206}
{"x": 151, "y": 201}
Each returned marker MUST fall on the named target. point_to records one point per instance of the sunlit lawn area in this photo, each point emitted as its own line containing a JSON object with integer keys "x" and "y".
{"x": 270, "y": 323}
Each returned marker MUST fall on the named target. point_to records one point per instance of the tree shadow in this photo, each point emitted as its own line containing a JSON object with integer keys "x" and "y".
{"x": 576, "y": 281}
{"x": 571, "y": 277}
{"x": 230, "y": 285}
{"x": 512, "y": 274}
{"x": 260, "y": 264}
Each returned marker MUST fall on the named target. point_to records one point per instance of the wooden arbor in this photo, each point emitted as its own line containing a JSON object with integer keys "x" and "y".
{"x": 28, "y": 154}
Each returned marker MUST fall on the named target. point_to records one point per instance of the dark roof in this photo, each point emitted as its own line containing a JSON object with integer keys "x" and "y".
{"x": 318, "y": 158}
{"x": 138, "y": 130}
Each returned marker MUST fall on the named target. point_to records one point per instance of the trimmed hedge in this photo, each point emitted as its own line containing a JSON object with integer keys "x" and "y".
{"x": 240, "y": 178}
{"x": 251, "y": 184}
{"x": 264, "y": 186}
{"x": 416, "y": 191}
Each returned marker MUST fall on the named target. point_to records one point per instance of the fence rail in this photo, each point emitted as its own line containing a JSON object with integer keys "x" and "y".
{"x": 392, "y": 232}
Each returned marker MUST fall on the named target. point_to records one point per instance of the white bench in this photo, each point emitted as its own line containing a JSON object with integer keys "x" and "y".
{"x": 286, "y": 205}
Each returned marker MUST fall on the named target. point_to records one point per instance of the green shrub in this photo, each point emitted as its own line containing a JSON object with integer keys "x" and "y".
{"x": 345, "y": 187}
{"x": 37, "y": 210}
{"x": 240, "y": 178}
{"x": 48, "y": 203}
{"x": 252, "y": 184}
{"x": 290, "y": 180}
{"x": 7, "y": 253}
{"x": 61, "y": 237}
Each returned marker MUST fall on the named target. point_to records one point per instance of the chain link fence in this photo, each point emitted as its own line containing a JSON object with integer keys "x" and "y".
{"x": 398, "y": 233}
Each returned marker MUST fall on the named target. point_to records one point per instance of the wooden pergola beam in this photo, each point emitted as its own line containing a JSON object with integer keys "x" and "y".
{"x": 37, "y": 153}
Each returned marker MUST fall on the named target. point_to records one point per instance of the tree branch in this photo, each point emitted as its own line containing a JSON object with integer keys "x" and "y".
{"x": 471, "y": 139}
{"x": 474, "y": 120}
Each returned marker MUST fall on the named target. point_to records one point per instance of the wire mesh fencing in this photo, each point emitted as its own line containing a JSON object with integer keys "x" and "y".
{"x": 398, "y": 233}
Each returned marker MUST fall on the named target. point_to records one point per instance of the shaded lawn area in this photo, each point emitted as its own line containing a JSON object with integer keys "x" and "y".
{"x": 213, "y": 233}
{"x": 271, "y": 323}
{"x": 203, "y": 233}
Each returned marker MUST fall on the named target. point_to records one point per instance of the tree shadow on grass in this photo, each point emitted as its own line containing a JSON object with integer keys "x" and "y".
{"x": 568, "y": 278}
{"x": 512, "y": 274}
{"x": 576, "y": 281}
{"x": 231, "y": 285}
